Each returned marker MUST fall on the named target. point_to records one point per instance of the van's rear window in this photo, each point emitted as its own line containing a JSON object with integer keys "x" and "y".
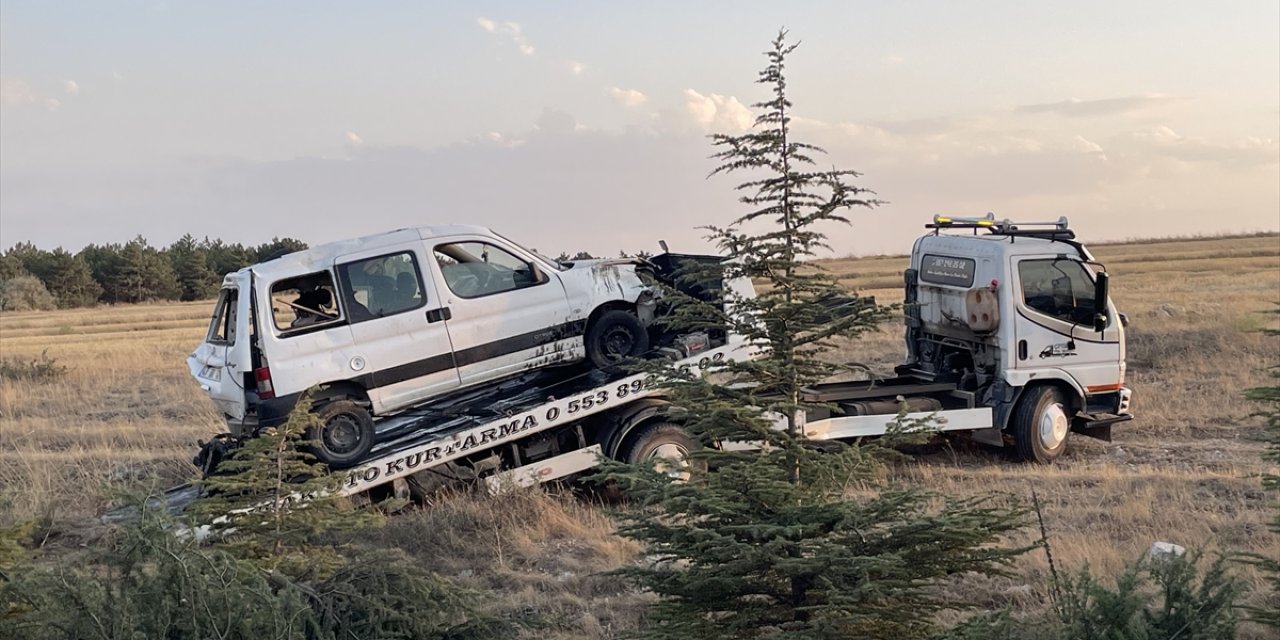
{"x": 223, "y": 326}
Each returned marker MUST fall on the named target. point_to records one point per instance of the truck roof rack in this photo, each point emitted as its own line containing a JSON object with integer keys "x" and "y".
{"x": 1056, "y": 230}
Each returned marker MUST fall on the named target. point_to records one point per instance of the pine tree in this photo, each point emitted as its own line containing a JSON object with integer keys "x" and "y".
{"x": 270, "y": 504}
{"x": 191, "y": 267}
{"x": 775, "y": 543}
{"x": 225, "y": 258}
{"x": 276, "y": 248}
{"x": 68, "y": 278}
{"x": 135, "y": 272}
{"x": 1270, "y": 565}
{"x": 270, "y": 500}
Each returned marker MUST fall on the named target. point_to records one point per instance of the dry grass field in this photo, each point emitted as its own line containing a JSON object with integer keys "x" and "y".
{"x": 1185, "y": 471}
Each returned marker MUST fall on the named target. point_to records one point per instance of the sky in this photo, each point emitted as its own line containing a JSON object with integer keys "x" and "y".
{"x": 572, "y": 126}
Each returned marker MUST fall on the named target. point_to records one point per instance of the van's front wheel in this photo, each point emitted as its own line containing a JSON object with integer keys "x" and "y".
{"x": 614, "y": 337}
{"x": 344, "y": 436}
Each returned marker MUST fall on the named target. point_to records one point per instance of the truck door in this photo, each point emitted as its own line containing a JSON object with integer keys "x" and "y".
{"x": 402, "y": 346}
{"x": 506, "y": 315}
{"x": 221, "y": 362}
{"x": 1054, "y": 323}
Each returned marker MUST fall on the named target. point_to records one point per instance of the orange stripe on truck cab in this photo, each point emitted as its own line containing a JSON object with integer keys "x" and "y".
{"x": 1104, "y": 387}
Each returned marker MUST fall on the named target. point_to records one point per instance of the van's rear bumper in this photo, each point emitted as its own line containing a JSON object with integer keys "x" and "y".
{"x": 264, "y": 413}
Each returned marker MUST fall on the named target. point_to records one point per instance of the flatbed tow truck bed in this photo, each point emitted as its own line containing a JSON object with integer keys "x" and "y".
{"x": 499, "y": 416}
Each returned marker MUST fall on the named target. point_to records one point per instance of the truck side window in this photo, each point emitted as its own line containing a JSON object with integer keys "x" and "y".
{"x": 382, "y": 286}
{"x": 304, "y": 301}
{"x": 1058, "y": 287}
{"x": 476, "y": 269}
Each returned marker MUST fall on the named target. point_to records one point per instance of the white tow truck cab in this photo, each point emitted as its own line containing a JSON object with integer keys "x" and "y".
{"x": 382, "y": 323}
{"x": 1014, "y": 318}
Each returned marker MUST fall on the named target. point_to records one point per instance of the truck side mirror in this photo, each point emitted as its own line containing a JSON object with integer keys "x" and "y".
{"x": 1100, "y": 297}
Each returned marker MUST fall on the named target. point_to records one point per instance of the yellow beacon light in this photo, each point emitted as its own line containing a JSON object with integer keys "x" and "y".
{"x": 941, "y": 220}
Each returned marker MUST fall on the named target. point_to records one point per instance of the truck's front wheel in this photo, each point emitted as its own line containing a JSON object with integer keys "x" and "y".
{"x": 344, "y": 436}
{"x": 1041, "y": 424}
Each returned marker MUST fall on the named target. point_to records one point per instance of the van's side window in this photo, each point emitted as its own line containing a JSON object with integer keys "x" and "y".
{"x": 475, "y": 269}
{"x": 382, "y": 286}
{"x": 1057, "y": 287}
{"x": 304, "y": 301}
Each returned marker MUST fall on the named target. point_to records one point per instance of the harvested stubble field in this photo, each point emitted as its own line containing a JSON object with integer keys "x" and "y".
{"x": 1185, "y": 471}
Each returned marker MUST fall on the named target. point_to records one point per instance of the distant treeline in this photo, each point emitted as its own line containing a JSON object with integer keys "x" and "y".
{"x": 32, "y": 278}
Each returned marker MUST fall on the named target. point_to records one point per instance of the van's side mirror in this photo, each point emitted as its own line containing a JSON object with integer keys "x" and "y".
{"x": 536, "y": 274}
{"x": 1100, "y": 297}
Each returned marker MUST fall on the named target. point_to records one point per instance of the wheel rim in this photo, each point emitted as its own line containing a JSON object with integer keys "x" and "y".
{"x": 1053, "y": 426}
{"x": 617, "y": 343}
{"x": 671, "y": 460}
{"x": 341, "y": 434}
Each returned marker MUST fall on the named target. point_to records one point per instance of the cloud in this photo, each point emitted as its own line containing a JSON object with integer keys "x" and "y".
{"x": 893, "y": 60}
{"x": 15, "y": 91}
{"x": 627, "y": 97}
{"x": 575, "y": 67}
{"x": 715, "y": 112}
{"x": 1164, "y": 142}
{"x": 494, "y": 138}
{"x": 117, "y": 75}
{"x": 353, "y": 139}
{"x": 1086, "y": 145}
{"x": 1075, "y": 107}
{"x": 71, "y": 87}
{"x": 512, "y": 31}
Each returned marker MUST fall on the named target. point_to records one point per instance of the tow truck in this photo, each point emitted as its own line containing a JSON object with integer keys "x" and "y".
{"x": 1010, "y": 335}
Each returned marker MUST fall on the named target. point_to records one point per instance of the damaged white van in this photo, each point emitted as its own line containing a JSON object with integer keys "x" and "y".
{"x": 381, "y": 323}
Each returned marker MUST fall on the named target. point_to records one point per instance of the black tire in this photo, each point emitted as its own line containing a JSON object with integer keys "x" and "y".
{"x": 615, "y": 337}
{"x": 661, "y": 440}
{"x": 345, "y": 436}
{"x": 1041, "y": 424}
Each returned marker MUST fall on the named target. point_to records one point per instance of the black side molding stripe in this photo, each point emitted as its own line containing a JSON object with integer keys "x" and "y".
{"x": 479, "y": 353}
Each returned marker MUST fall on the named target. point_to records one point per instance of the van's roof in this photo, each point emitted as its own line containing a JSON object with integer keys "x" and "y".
{"x": 323, "y": 256}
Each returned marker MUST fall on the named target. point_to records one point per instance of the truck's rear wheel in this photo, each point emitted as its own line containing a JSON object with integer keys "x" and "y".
{"x": 345, "y": 434}
{"x": 1041, "y": 424}
{"x": 615, "y": 336}
{"x": 665, "y": 441}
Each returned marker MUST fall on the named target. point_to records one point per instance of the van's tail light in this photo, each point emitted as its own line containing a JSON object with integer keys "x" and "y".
{"x": 265, "y": 390}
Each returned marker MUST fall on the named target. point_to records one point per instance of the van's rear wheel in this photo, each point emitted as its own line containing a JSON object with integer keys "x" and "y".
{"x": 344, "y": 436}
{"x": 615, "y": 336}
{"x": 1041, "y": 424}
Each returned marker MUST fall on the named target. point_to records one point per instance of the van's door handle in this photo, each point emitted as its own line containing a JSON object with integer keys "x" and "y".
{"x": 436, "y": 315}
